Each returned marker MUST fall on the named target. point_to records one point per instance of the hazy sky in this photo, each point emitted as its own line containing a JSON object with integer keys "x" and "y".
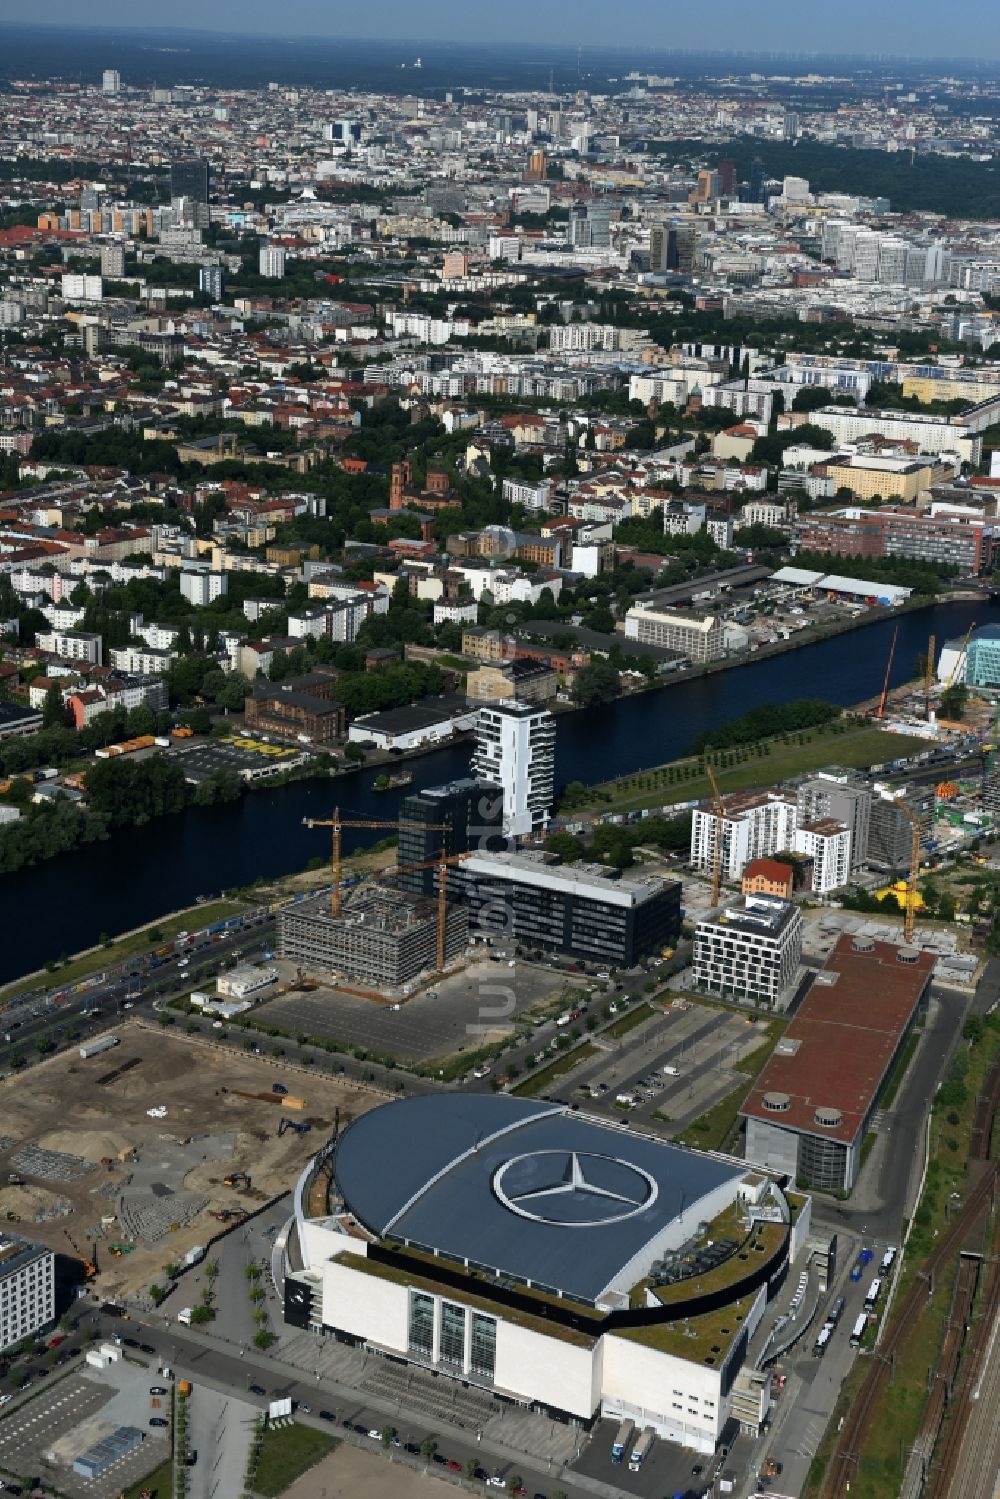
{"x": 928, "y": 28}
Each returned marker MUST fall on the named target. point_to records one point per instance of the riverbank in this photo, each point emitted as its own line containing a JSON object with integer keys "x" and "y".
{"x": 765, "y": 763}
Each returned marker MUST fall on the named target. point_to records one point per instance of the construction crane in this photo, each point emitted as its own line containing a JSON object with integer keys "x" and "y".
{"x": 880, "y": 711}
{"x": 929, "y": 674}
{"x": 910, "y": 911}
{"x": 720, "y": 814}
{"x": 338, "y": 823}
{"x": 959, "y": 658}
{"x": 441, "y": 864}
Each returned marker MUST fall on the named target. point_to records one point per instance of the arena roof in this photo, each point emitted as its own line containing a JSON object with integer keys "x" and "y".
{"x": 518, "y": 1187}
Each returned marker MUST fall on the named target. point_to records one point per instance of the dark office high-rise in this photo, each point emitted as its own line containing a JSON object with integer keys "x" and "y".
{"x": 472, "y": 812}
{"x": 756, "y": 180}
{"x": 189, "y": 179}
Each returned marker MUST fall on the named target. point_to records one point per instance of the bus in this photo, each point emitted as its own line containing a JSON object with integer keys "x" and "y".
{"x": 874, "y": 1292}
{"x": 836, "y": 1310}
{"x": 859, "y": 1330}
{"x": 888, "y": 1259}
{"x": 621, "y": 1441}
{"x": 824, "y": 1337}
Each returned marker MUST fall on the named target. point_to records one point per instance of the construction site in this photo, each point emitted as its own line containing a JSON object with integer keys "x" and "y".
{"x": 373, "y": 936}
{"x": 128, "y": 1160}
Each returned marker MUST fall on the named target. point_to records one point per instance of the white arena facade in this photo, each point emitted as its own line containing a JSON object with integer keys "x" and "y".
{"x": 558, "y": 1261}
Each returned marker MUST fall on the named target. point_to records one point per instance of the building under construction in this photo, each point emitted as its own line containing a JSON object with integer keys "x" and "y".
{"x": 382, "y": 937}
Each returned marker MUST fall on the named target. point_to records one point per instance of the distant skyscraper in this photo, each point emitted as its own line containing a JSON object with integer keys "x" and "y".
{"x": 189, "y": 179}
{"x": 111, "y": 81}
{"x": 727, "y": 177}
{"x": 272, "y": 261}
{"x": 211, "y": 278}
{"x": 515, "y": 749}
{"x": 113, "y": 261}
{"x": 756, "y": 180}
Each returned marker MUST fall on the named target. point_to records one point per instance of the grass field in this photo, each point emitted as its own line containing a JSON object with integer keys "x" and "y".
{"x": 287, "y": 1452}
{"x": 160, "y": 1482}
{"x": 127, "y": 947}
{"x": 562, "y": 1064}
{"x": 626, "y": 1023}
{"x": 765, "y": 764}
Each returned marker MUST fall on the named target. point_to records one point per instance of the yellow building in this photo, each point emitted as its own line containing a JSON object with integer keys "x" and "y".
{"x": 888, "y": 479}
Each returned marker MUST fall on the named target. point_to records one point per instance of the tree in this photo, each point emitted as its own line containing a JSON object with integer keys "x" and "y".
{"x": 428, "y": 1447}
{"x": 953, "y": 700}
{"x": 53, "y": 709}
{"x": 596, "y": 684}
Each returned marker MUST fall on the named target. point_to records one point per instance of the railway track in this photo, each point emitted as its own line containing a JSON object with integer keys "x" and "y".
{"x": 850, "y": 1441}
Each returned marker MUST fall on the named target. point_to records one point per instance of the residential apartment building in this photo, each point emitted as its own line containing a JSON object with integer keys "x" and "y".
{"x": 754, "y": 825}
{"x": 931, "y": 434}
{"x": 890, "y": 831}
{"x": 27, "y": 1289}
{"x": 749, "y": 951}
{"x": 528, "y": 681}
{"x": 768, "y": 877}
{"x": 200, "y": 588}
{"x": 828, "y": 844}
{"x": 968, "y": 543}
{"x": 72, "y": 645}
{"x": 515, "y": 750}
{"x": 837, "y": 794}
{"x": 698, "y": 637}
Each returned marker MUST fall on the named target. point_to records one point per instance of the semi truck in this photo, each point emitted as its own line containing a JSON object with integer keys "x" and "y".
{"x": 641, "y": 1449}
{"x": 620, "y": 1444}
{"x": 93, "y": 1048}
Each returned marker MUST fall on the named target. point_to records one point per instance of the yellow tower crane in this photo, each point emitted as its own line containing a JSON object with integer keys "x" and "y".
{"x": 929, "y": 674}
{"x": 441, "y": 864}
{"x": 720, "y": 814}
{"x": 910, "y": 911}
{"x": 960, "y": 657}
{"x": 337, "y": 823}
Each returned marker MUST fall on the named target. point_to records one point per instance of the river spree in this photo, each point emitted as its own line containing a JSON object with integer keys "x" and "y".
{"x": 139, "y": 874}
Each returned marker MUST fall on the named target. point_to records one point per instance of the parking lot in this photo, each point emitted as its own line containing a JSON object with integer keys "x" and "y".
{"x": 461, "y": 1012}
{"x": 43, "y": 1437}
{"x": 703, "y": 1044}
{"x": 668, "y": 1470}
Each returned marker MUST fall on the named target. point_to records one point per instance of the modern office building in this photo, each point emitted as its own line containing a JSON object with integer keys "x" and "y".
{"x": 189, "y": 179}
{"x": 27, "y": 1289}
{"x": 749, "y": 951}
{"x": 572, "y": 908}
{"x": 809, "y": 1110}
{"x": 699, "y": 637}
{"x": 111, "y": 81}
{"x": 982, "y": 661}
{"x": 838, "y": 794}
{"x": 382, "y": 938}
{"x": 272, "y": 261}
{"x": 472, "y": 814}
{"x": 543, "y": 1259}
{"x": 515, "y": 750}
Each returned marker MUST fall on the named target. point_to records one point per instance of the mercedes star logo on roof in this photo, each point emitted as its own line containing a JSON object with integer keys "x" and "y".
{"x": 573, "y": 1189}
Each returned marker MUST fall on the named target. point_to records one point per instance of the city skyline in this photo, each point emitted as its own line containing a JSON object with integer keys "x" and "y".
{"x": 969, "y": 28}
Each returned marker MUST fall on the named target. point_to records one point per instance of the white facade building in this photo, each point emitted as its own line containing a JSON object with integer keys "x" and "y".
{"x": 27, "y": 1289}
{"x": 828, "y": 844}
{"x": 272, "y": 261}
{"x": 749, "y": 951}
{"x": 700, "y": 637}
{"x": 755, "y": 825}
{"x": 74, "y": 645}
{"x": 201, "y": 588}
{"x": 515, "y": 749}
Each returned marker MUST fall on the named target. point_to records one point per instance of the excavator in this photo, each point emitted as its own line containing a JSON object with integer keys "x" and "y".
{"x": 237, "y": 1179}
{"x": 300, "y": 1127}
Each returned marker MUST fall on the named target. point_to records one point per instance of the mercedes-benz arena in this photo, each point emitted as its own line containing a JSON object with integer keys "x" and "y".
{"x": 556, "y": 1260}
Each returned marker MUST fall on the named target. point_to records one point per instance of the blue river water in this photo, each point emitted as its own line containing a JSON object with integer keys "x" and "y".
{"x": 61, "y": 906}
